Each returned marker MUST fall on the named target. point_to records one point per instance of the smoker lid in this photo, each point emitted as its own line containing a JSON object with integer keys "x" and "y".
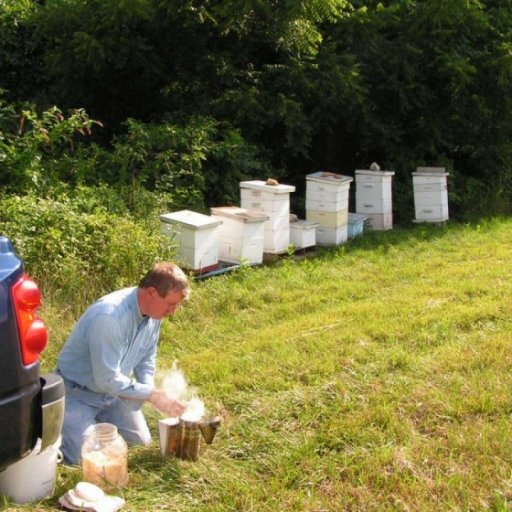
{"x": 190, "y": 219}
{"x": 262, "y": 185}
{"x": 329, "y": 177}
{"x": 242, "y": 214}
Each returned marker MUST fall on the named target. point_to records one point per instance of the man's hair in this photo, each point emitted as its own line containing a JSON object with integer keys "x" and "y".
{"x": 166, "y": 277}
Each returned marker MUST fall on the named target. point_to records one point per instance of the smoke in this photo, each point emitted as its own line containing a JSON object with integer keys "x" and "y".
{"x": 194, "y": 410}
{"x": 174, "y": 383}
{"x": 175, "y": 386}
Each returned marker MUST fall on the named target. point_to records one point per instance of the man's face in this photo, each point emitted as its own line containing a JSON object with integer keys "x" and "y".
{"x": 160, "y": 307}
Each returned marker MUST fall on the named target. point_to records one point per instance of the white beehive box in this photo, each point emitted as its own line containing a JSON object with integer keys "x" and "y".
{"x": 320, "y": 191}
{"x": 327, "y": 206}
{"x": 329, "y": 189}
{"x": 196, "y": 236}
{"x": 326, "y": 219}
{"x": 430, "y": 194}
{"x": 374, "y": 197}
{"x": 374, "y": 205}
{"x": 327, "y": 197}
{"x": 274, "y": 201}
{"x": 380, "y": 221}
{"x": 329, "y": 236}
{"x": 303, "y": 234}
{"x": 355, "y": 224}
{"x": 374, "y": 184}
{"x": 277, "y": 206}
{"x": 241, "y": 234}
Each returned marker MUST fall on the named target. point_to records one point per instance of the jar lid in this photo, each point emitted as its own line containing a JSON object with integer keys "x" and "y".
{"x": 105, "y": 431}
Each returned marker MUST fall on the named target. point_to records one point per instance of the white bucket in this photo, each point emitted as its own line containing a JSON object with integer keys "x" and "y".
{"x": 33, "y": 477}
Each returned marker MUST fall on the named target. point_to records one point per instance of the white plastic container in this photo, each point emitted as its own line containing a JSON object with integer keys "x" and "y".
{"x": 241, "y": 234}
{"x": 33, "y": 477}
{"x": 196, "y": 236}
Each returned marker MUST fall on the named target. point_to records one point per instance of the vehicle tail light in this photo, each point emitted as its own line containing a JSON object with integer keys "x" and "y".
{"x": 32, "y": 331}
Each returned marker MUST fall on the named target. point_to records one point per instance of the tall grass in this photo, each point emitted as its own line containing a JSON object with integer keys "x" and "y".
{"x": 373, "y": 377}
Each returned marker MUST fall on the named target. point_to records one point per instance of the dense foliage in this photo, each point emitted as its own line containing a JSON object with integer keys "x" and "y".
{"x": 170, "y": 103}
{"x": 76, "y": 247}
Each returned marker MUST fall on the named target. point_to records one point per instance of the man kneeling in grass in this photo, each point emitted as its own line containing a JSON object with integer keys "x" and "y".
{"x": 108, "y": 362}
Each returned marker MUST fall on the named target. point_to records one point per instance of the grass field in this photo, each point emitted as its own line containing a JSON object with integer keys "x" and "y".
{"x": 376, "y": 376}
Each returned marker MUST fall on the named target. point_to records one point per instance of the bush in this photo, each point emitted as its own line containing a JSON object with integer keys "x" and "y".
{"x": 171, "y": 166}
{"x": 40, "y": 151}
{"x": 192, "y": 165}
{"x": 75, "y": 248}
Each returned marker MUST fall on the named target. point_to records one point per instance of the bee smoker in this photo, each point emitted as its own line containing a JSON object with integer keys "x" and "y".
{"x": 184, "y": 438}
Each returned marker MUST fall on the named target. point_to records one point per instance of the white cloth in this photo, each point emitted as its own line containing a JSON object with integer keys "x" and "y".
{"x": 95, "y": 500}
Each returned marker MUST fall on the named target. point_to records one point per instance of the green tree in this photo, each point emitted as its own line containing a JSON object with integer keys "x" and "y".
{"x": 431, "y": 77}
{"x": 21, "y": 71}
{"x": 281, "y": 87}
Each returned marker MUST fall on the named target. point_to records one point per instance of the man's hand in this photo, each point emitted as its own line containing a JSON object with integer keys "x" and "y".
{"x": 166, "y": 405}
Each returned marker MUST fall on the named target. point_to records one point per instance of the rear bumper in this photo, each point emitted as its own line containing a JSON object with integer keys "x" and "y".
{"x": 52, "y": 406}
{"x": 32, "y": 413}
{"x": 20, "y": 419}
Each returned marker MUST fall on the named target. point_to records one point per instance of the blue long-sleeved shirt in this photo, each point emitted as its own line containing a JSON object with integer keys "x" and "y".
{"x": 112, "y": 348}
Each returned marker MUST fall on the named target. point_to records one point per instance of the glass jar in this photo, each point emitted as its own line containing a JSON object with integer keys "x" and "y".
{"x": 105, "y": 457}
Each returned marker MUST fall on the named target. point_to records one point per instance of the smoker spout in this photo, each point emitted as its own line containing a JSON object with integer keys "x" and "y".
{"x": 209, "y": 428}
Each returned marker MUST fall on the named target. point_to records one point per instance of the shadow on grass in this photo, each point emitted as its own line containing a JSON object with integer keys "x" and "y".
{"x": 150, "y": 461}
{"x": 406, "y": 235}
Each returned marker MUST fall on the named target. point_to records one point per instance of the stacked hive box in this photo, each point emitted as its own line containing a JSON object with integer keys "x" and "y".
{"x": 373, "y": 197}
{"x": 273, "y": 201}
{"x": 240, "y": 235}
{"x": 303, "y": 233}
{"x": 327, "y": 205}
{"x": 196, "y": 236}
{"x": 356, "y": 224}
{"x": 430, "y": 194}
